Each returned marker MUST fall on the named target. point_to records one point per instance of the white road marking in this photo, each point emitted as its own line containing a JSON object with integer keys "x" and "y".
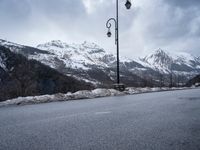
{"x": 102, "y": 113}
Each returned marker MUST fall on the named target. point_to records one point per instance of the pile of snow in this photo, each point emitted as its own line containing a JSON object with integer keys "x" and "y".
{"x": 133, "y": 90}
{"x": 85, "y": 94}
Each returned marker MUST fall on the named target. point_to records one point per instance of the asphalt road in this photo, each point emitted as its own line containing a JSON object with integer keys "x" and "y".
{"x": 151, "y": 121}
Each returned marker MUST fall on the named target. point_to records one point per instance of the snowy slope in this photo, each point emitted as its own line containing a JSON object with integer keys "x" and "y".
{"x": 73, "y": 56}
{"x": 77, "y": 56}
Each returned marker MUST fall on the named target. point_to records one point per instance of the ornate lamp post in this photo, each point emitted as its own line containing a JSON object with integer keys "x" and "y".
{"x": 117, "y": 86}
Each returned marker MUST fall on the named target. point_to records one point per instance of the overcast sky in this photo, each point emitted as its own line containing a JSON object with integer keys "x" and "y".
{"x": 173, "y": 25}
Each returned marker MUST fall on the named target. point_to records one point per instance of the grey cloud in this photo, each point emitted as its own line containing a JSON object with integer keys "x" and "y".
{"x": 174, "y": 26}
{"x": 183, "y": 3}
{"x": 14, "y": 10}
{"x": 70, "y": 8}
{"x": 187, "y": 23}
{"x": 20, "y": 10}
{"x": 168, "y": 24}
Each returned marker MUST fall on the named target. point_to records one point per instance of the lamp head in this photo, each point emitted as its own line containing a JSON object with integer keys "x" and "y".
{"x": 128, "y": 4}
{"x": 109, "y": 34}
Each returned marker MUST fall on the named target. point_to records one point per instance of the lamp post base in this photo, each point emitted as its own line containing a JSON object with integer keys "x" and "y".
{"x": 120, "y": 87}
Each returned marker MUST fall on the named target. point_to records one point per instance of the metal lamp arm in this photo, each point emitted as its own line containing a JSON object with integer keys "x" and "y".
{"x": 109, "y": 25}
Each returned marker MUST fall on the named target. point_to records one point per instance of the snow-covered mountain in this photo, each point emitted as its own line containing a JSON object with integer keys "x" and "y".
{"x": 165, "y": 62}
{"x": 91, "y": 63}
{"x": 74, "y": 56}
{"x": 86, "y": 61}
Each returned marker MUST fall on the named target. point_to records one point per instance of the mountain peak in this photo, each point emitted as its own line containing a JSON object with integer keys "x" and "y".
{"x": 157, "y": 56}
{"x": 159, "y": 60}
{"x": 54, "y": 43}
{"x": 160, "y": 51}
{"x": 90, "y": 45}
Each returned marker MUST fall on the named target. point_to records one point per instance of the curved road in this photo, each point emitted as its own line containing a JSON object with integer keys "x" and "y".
{"x": 151, "y": 121}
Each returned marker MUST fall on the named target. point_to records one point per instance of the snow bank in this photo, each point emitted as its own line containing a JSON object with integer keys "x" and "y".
{"x": 132, "y": 90}
{"x": 85, "y": 94}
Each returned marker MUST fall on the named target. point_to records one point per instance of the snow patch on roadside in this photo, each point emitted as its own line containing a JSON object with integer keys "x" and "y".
{"x": 85, "y": 94}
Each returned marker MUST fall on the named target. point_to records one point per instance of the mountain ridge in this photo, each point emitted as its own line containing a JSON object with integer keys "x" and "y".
{"x": 84, "y": 60}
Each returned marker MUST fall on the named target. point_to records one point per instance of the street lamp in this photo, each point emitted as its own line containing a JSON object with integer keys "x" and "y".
{"x": 128, "y": 4}
{"x": 109, "y": 34}
{"x": 117, "y": 86}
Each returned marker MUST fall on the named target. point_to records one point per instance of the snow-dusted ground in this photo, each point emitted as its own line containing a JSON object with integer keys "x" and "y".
{"x": 82, "y": 95}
